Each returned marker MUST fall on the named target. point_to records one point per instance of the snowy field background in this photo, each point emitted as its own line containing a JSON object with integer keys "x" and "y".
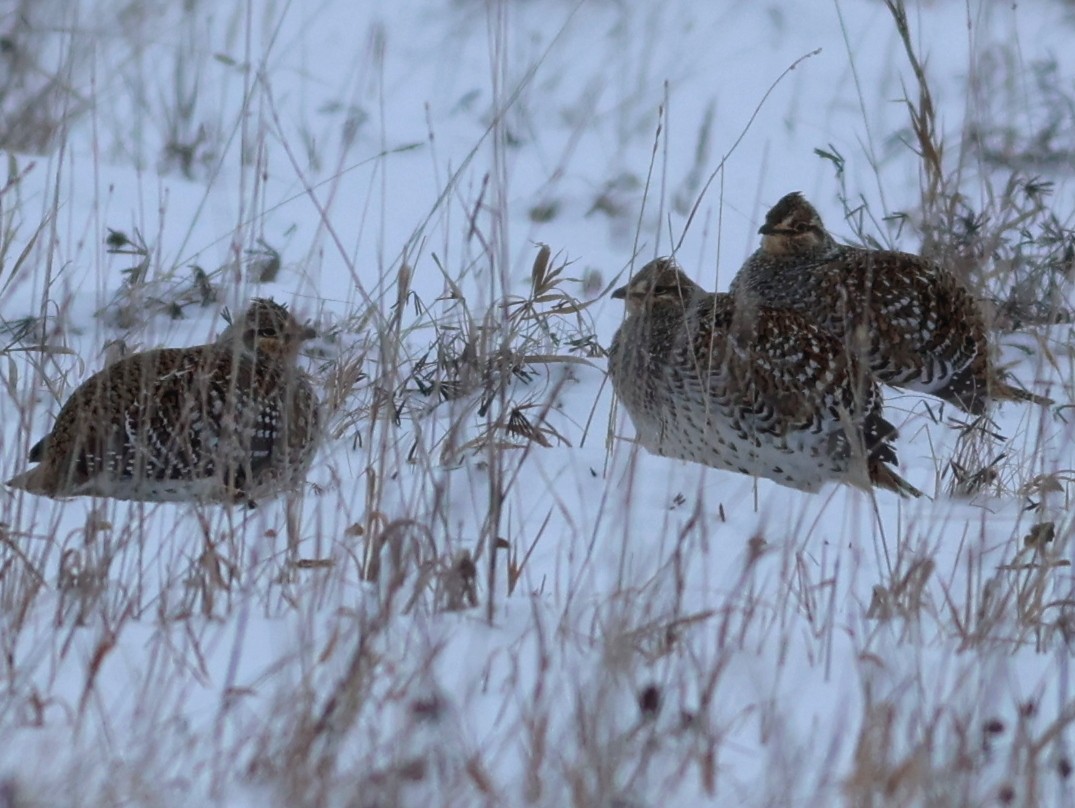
{"x": 487, "y": 594}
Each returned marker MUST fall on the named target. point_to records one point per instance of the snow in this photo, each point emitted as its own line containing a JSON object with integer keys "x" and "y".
{"x": 806, "y": 649}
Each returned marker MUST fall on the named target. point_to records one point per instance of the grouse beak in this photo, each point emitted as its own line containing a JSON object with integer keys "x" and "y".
{"x": 620, "y": 294}
{"x": 766, "y": 229}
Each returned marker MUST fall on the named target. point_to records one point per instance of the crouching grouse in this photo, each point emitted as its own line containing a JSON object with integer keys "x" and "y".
{"x": 910, "y": 320}
{"x": 748, "y": 389}
{"x": 231, "y": 421}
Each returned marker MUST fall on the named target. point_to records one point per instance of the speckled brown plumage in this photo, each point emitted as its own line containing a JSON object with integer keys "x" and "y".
{"x": 913, "y": 321}
{"x": 234, "y": 420}
{"x": 755, "y": 390}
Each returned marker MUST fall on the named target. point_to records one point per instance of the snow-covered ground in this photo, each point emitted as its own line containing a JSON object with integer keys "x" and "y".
{"x": 649, "y": 631}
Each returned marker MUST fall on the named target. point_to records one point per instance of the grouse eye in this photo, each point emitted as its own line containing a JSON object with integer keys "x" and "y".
{"x": 267, "y": 332}
{"x": 667, "y": 289}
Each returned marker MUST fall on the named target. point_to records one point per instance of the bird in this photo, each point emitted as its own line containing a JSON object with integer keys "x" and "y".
{"x": 751, "y": 389}
{"x": 232, "y": 421}
{"x": 912, "y": 321}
